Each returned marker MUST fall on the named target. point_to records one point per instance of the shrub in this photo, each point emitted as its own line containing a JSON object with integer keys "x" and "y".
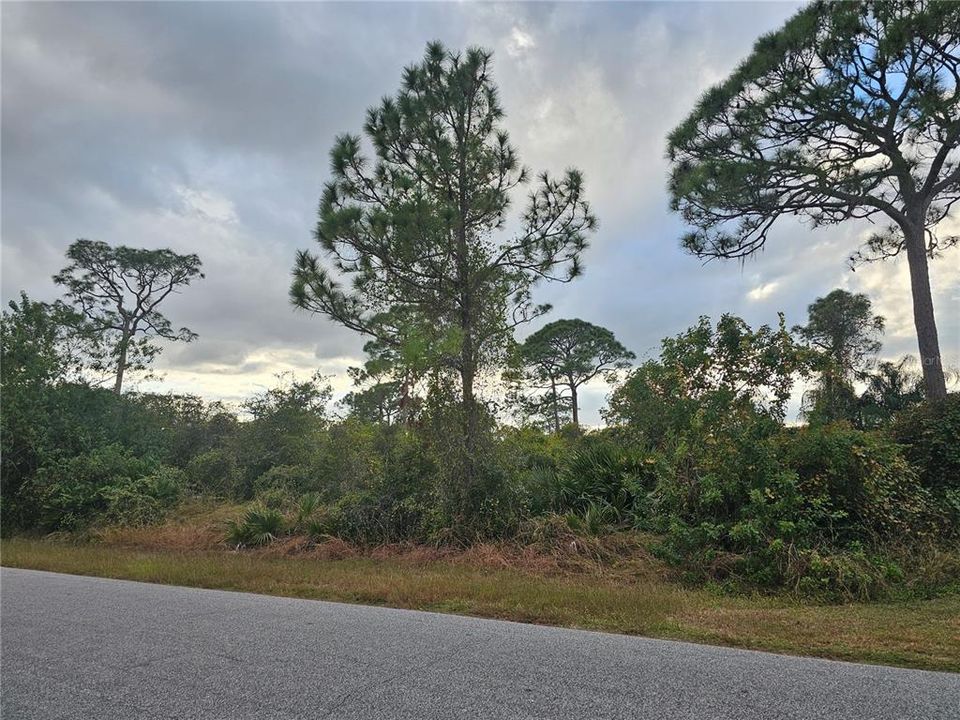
{"x": 308, "y": 505}
{"x": 287, "y": 425}
{"x": 349, "y": 458}
{"x": 215, "y": 472}
{"x": 259, "y": 526}
{"x": 145, "y": 500}
{"x": 930, "y": 434}
{"x": 596, "y": 518}
{"x": 537, "y": 489}
{"x": 274, "y": 499}
{"x": 872, "y": 492}
{"x": 107, "y": 485}
{"x": 607, "y": 475}
{"x": 773, "y": 510}
{"x": 293, "y": 480}
{"x": 129, "y": 504}
{"x": 370, "y": 518}
{"x": 845, "y": 575}
{"x": 167, "y": 484}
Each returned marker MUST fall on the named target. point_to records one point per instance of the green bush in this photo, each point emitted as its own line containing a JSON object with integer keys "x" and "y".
{"x": 604, "y": 473}
{"x": 790, "y": 509}
{"x": 930, "y": 434}
{"x": 129, "y": 504}
{"x": 293, "y": 480}
{"x": 275, "y": 498}
{"x": 862, "y": 478}
{"x": 851, "y": 574}
{"x": 537, "y": 489}
{"x": 397, "y": 495}
{"x": 215, "y": 472}
{"x": 107, "y": 485}
{"x": 259, "y": 526}
{"x": 370, "y": 518}
{"x": 307, "y": 508}
{"x": 167, "y": 484}
{"x": 595, "y": 518}
{"x": 146, "y": 500}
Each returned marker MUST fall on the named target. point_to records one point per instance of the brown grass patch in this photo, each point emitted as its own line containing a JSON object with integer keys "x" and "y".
{"x": 163, "y": 537}
{"x": 195, "y": 526}
{"x": 408, "y": 552}
{"x": 546, "y": 546}
{"x": 333, "y": 549}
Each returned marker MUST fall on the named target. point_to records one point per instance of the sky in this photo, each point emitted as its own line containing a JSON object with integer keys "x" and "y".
{"x": 206, "y": 128}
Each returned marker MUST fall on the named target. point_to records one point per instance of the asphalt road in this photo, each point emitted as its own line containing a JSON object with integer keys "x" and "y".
{"x": 77, "y": 647}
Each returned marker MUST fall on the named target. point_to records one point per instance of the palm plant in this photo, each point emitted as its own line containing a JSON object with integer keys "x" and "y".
{"x": 260, "y": 526}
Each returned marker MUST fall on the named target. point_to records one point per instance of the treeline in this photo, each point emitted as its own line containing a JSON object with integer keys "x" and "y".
{"x": 696, "y": 452}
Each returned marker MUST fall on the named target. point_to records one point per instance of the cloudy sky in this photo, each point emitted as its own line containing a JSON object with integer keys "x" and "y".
{"x": 205, "y": 127}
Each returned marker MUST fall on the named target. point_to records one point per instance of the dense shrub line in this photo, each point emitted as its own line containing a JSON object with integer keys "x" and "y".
{"x": 696, "y": 453}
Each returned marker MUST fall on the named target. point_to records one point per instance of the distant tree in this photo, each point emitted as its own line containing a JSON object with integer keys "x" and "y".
{"x": 417, "y": 239}
{"x": 851, "y": 110}
{"x": 711, "y": 377}
{"x": 842, "y": 328}
{"x": 118, "y": 291}
{"x": 842, "y": 325}
{"x": 564, "y": 355}
{"x": 891, "y": 388}
{"x": 392, "y": 377}
{"x": 286, "y": 425}
{"x": 380, "y": 403}
{"x": 291, "y": 399}
{"x": 188, "y": 424}
{"x": 542, "y": 405}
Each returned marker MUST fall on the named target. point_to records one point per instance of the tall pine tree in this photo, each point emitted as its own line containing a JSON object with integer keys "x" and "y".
{"x": 416, "y": 240}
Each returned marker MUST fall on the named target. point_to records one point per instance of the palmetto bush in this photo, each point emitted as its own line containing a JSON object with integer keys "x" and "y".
{"x": 307, "y": 506}
{"x": 604, "y": 475}
{"x": 259, "y": 526}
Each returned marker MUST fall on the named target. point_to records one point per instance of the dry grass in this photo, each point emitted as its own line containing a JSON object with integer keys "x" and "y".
{"x": 197, "y": 525}
{"x": 549, "y": 548}
{"x": 564, "y": 586}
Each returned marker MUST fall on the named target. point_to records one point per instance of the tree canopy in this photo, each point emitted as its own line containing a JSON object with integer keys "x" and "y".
{"x": 850, "y": 111}
{"x": 564, "y": 355}
{"x": 711, "y": 376}
{"x": 119, "y": 290}
{"x": 845, "y": 334}
{"x": 842, "y": 325}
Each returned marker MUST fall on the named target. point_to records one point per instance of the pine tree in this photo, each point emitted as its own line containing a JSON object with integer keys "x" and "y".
{"x": 416, "y": 241}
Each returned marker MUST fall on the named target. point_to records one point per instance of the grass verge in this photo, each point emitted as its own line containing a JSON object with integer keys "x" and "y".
{"x": 920, "y": 634}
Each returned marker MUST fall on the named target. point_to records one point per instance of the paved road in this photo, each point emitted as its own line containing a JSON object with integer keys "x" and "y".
{"x": 75, "y": 647}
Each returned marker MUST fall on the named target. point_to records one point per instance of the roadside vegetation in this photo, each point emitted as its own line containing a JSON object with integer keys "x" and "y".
{"x": 457, "y": 476}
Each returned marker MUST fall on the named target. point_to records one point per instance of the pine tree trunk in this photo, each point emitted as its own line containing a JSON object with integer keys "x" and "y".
{"x": 573, "y": 404}
{"x": 934, "y": 382}
{"x": 556, "y": 405}
{"x": 470, "y": 428}
{"x": 469, "y": 401}
{"x": 121, "y": 362}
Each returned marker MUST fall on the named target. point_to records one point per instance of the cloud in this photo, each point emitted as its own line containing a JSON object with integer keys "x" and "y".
{"x": 520, "y": 42}
{"x": 762, "y": 292}
{"x": 207, "y": 205}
